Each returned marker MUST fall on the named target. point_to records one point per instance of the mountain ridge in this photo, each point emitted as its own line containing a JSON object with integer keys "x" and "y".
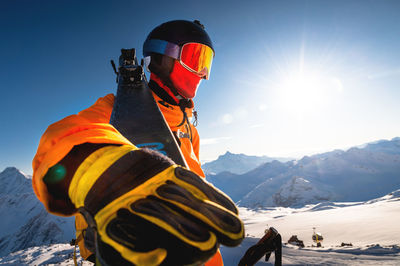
{"x": 355, "y": 174}
{"x": 237, "y": 163}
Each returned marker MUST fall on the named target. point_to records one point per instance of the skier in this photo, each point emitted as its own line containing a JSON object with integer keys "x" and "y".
{"x": 136, "y": 206}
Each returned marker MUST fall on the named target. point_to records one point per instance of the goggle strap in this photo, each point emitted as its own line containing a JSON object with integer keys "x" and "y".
{"x": 161, "y": 47}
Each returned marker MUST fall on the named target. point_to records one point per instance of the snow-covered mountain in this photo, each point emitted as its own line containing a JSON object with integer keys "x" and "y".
{"x": 25, "y": 222}
{"x": 297, "y": 192}
{"x": 238, "y": 186}
{"x": 236, "y": 163}
{"x": 357, "y": 174}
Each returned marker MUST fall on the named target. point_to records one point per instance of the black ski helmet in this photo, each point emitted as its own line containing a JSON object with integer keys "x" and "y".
{"x": 178, "y": 32}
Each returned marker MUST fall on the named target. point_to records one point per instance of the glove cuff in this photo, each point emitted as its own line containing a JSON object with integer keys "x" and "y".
{"x": 112, "y": 171}
{"x": 91, "y": 169}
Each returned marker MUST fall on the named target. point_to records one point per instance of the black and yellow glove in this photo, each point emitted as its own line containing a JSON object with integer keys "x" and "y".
{"x": 146, "y": 210}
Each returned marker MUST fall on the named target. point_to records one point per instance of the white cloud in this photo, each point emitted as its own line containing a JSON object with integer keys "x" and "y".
{"x": 210, "y": 141}
{"x": 257, "y": 126}
{"x": 241, "y": 113}
{"x": 227, "y": 119}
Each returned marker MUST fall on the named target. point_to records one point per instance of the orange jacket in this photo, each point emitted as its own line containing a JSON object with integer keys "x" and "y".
{"x": 92, "y": 126}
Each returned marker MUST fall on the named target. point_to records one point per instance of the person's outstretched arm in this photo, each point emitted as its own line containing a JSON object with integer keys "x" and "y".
{"x": 145, "y": 209}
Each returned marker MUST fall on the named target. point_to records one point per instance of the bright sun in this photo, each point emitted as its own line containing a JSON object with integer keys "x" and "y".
{"x": 306, "y": 91}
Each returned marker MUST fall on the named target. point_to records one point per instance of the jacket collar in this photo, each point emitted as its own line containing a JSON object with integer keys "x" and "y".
{"x": 163, "y": 91}
{"x": 173, "y": 114}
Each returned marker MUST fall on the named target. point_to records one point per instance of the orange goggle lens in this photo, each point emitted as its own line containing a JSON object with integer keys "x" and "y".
{"x": 197, "y": 58}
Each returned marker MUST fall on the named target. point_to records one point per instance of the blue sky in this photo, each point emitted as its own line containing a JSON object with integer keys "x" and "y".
{"x": 289, "y": 78}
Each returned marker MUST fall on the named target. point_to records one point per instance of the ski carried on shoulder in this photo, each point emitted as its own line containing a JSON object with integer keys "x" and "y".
{"x": 136, "y": 114}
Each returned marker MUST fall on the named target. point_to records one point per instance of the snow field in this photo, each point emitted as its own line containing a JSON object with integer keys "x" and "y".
{"x": 372, "y": 227}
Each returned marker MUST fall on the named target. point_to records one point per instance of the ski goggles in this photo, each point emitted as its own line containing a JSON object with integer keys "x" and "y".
{"x": 195, "y": 57}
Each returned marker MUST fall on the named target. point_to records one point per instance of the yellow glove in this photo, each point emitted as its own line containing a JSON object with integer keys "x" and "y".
{"x": 146, "y": 210}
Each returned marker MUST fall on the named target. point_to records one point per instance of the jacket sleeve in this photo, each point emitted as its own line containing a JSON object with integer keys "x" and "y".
{"x": 88, "y": 126}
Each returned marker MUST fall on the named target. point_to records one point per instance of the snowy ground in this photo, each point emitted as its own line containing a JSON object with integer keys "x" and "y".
{"x": 360, "y": 224}
{"x": 291, "y": 255}
{"x": 372, "y": 227}
{"x": 61, "y": 254}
